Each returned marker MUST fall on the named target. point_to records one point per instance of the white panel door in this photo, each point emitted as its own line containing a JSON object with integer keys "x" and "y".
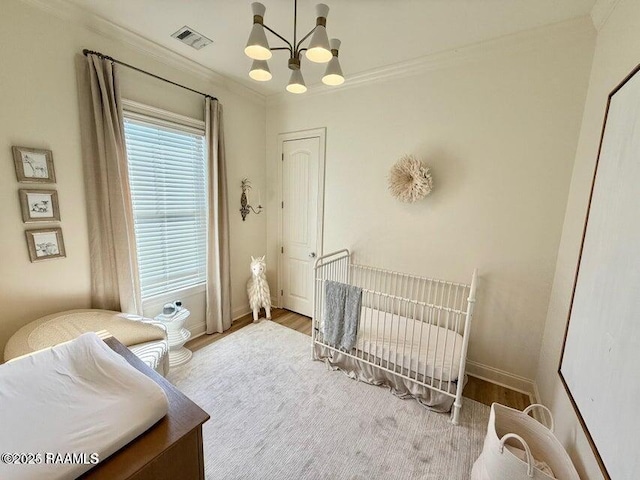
{"x": 300, "y": 171}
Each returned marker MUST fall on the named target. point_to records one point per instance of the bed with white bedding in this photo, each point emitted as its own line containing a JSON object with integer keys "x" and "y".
{"x": 78, "y": 397}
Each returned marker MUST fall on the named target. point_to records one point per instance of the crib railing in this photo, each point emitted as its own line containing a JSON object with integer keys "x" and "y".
{"x": 412, "y": 326}
{"x": 447, "y": 297}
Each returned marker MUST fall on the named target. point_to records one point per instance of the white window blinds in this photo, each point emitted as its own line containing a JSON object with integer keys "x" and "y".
{"x": 167, "y": 172}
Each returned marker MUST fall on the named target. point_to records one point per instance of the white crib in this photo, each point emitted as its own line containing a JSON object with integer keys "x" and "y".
{"x": 413, "y": 332}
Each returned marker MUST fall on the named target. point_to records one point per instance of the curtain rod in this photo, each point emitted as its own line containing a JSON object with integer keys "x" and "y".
{"x": 86, "y": 52}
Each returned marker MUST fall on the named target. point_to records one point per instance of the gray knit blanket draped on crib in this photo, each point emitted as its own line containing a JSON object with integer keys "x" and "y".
{"x": 342, "y": 305}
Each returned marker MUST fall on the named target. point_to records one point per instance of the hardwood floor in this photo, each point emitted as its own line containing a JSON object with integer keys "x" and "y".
{"x": 476, "y": 388}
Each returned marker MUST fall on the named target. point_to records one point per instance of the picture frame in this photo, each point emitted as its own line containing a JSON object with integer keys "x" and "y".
{"x": 39, "y": 205}
{"x": 45, "y": 244}
{"x": 33, "y": 165}
{"x": 599, "y": 357}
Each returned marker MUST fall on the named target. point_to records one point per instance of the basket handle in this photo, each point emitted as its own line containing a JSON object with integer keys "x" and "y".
{"x": 527, "y": 451}
{"x": 539, "y": 405}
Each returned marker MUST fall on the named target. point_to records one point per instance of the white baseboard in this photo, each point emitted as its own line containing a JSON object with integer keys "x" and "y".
{"x": 512, "y": 381}
{"x": 197, "y": 329}
{"x": 240, "y": 312}
{"x": 535, "y": 395}
{"x": 539, "y": 414}
{"x": 502, "y": 378}
{"x": 246, "y": 309}
{"x": 200, "y": 329}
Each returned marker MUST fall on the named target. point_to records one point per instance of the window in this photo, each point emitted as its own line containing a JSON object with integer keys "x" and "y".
{"x": 168, "y": 177}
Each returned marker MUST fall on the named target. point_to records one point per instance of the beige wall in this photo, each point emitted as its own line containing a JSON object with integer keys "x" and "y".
{"x": 617, "y": 53}
{"x": 500, "y": 133}
{"x": 38, "y": 103}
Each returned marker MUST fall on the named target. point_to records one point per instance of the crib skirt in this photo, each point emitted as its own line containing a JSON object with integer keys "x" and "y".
{"x": 400, "y": 387}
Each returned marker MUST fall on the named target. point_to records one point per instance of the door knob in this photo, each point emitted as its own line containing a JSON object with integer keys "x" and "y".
{"x": 312, "y": 255}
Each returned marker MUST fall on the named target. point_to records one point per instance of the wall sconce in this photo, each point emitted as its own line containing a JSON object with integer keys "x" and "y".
{"x": 245, "y": 208}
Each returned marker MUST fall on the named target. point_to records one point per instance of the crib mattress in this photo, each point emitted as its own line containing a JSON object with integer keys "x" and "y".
{"x": 429, "y": 350}
{"x": 78, "y": 397}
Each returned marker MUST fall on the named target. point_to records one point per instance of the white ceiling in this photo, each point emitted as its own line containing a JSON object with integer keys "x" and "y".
{"x": 374, "y": 33}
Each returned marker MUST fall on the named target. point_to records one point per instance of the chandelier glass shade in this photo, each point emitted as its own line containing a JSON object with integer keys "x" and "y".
{"x": 318, "y": 50}
{"x": 260, "y": 71}
{"x": 296, "y": 82}
{"x": 333, "y": 75}
{"x": 257, "y": 46}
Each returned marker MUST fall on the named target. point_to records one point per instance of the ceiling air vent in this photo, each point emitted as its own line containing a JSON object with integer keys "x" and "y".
{"x": 192, "y": 38}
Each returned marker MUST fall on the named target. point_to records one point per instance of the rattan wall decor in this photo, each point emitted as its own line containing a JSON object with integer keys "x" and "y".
{"x": 410, "y": 179}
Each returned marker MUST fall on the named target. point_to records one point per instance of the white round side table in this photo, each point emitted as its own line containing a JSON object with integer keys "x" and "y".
{"x": 177, "y": 336}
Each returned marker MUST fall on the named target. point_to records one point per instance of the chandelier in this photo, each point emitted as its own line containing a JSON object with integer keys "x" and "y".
{"x": 319, "y": 49}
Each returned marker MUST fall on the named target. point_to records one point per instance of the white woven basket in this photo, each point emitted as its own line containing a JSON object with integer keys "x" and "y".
{"x": 514, "y": 429}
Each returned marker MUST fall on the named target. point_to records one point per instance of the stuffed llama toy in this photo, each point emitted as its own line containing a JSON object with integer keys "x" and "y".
{"x": 258, "y": 288}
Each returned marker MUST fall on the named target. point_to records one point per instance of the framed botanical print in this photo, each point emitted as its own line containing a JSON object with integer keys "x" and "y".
{"x": 39, "y": 205}
{"x": 33, "y": 165}
{"x": 45, "y": 244}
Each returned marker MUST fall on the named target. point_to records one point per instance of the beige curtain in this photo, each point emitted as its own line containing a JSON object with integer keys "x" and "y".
{"x": 218, "y": 269}
{"x": 114, "y": 266}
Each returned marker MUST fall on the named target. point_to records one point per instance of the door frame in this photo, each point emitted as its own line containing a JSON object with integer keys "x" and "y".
{"x": 321, "y": 134}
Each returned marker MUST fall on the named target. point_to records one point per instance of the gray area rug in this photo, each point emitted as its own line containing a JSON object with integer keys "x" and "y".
{"x": 276, "y": 414}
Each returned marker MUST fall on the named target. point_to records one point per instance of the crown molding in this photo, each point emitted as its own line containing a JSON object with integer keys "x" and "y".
{"x": 67, "y": 11}
{"x": 601, "y": 12}
{"x": 517, "y": 42}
